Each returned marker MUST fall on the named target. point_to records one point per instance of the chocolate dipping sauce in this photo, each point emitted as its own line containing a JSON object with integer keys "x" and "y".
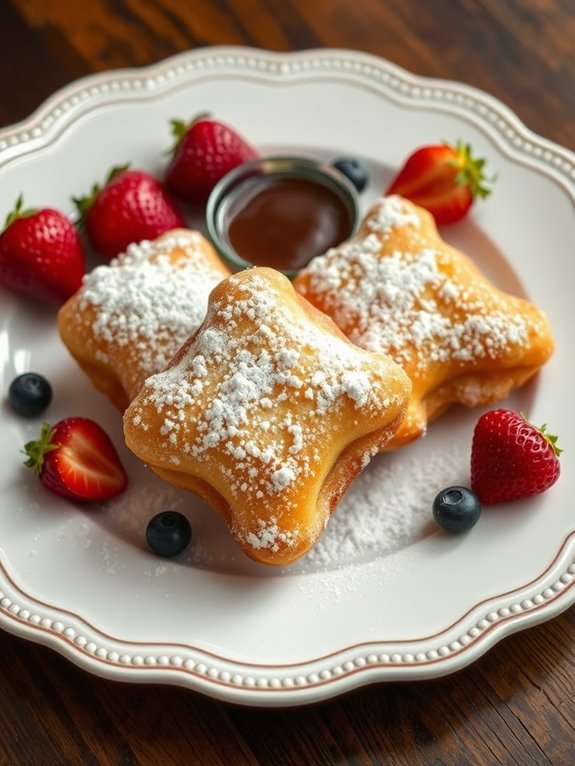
{"x": 284, "y": 222}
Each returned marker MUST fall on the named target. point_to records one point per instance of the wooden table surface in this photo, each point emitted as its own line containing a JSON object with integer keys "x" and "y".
{"x": 513, "y": 706}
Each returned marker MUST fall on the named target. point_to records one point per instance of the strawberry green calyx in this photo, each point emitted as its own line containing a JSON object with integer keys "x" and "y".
{"x": 36, "y": 449}
{"x": 550, "y": 439}
{"x": 181, "y": 127}
{"x": 83, "y": 204}
{"x": 18, "y": 212}
{"x": 471, "y": 171}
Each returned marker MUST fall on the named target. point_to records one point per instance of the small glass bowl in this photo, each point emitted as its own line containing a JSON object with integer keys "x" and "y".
{"x": 239, "y": 184}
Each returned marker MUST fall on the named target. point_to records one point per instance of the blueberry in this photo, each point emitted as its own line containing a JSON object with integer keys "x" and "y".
{"x": 30, "y": 394}
{"x": 456, "y": 509}
{"x": 354, "y": 170}
{"x": 168, "y": 533}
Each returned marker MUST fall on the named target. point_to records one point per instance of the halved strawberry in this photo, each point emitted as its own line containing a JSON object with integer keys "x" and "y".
{"x": 443, "y": 179}
{"x": 75, "y": 458}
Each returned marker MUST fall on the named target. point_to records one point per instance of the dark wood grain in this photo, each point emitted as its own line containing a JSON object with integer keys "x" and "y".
{"x": 512, "y": 707}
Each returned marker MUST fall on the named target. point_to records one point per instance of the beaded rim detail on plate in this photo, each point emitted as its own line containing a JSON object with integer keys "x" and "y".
{"x": 387, "y": 77}
{"x": 192, "y": 665}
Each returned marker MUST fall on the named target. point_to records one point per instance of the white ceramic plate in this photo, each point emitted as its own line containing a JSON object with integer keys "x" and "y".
{"x": 385, "y": 595}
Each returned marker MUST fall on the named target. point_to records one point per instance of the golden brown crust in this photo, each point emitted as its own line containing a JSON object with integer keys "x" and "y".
{"x": 398, "y": 288}
{"x": 129, "y": 317}
{"x": 269, "y": 413}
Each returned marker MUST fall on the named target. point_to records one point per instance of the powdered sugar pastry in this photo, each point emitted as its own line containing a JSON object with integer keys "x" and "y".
{"x": 261, "y": 403}
{"x": 399, "y": 288}
{"x": 411, "y": 303}
{"x": 149, "y": 303}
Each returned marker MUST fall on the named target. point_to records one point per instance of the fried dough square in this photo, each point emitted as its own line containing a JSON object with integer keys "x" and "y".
{"x": 268, "y": 412}
{"x": 398, "y": 288}
{"x": 131, "y": 316}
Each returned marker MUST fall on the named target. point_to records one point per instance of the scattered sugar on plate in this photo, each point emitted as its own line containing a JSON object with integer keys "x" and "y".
{"x": 111, "y": 555}
{"x": 388, "y": 507}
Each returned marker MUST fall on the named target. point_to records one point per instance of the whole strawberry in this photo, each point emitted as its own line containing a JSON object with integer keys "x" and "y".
{"x": 131, "y": 206}
{"x": 511, "y": 458}
{"x": 76, "y": 458}
{"x": 41, "y": 255}
{"x": 204, "y": 152}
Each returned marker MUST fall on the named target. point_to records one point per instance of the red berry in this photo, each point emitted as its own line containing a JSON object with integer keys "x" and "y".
{"x": 76, "y": 458}
{"x": 41, "y": 255}
{"x": 511, "y": 458}
{"x": 130, "y": 207}
{"x": 205, "y": 151}
{"x": 443, "y": 179}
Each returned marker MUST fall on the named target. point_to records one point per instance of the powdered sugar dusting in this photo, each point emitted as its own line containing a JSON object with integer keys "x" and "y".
{"x": 148, "y": 302}
{"x": 391, "y": 213}
{"x": 409, "y": 303}
{"x": 389, "y": 506}
{"x": 258, "y": 395}
{"x": 268, "y": 535}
